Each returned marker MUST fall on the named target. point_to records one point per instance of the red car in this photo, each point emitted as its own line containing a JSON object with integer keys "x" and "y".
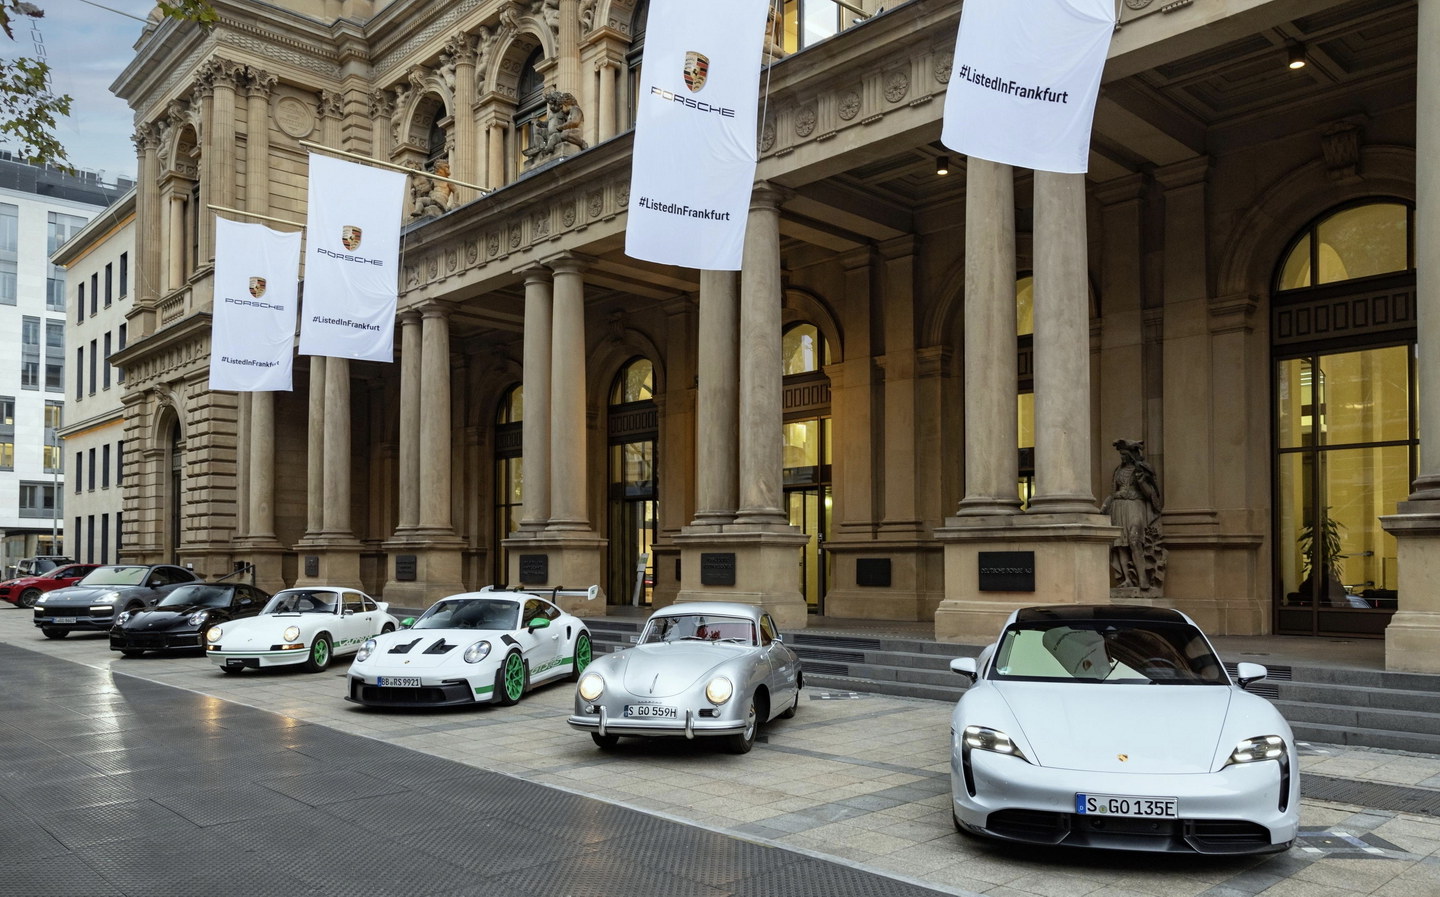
{"x": 23, "y": 591}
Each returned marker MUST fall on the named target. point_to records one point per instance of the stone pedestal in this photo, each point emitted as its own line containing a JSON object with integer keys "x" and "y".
{"x": 877, "y": 579}
{"x": 760, "y": 567}
{"x": 1072, "y": 566}
{"x": 335, "y": 563}
{"x": 431, "y": 571}
{"x": 1412, "y": 640}
{"x": 573, "y": 560}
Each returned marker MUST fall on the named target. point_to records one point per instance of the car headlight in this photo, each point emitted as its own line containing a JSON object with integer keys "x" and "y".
{"x": 290, "y": 634}
{"x": 1266, "y": 747}
{"x": 719, "y": 690}
{"x": 477, "y": 652}
{"x": 125, "y": 616}
{"x": 365, "y": 651}
{"x": 213, "y": 634}
{"x": 592, "y": 686}
{"x": 196, "y": 619}
{"x": 981, "y": 738}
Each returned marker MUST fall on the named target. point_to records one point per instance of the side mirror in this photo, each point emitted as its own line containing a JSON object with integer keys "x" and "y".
{"x": 965, "y": 666}
{"x": 539, "y": 623}
{"x": 246, "y": 602}
{"x": 779, "y": 637}
{"x": 1248, "y": 673}
{"x": 407, "y": 622}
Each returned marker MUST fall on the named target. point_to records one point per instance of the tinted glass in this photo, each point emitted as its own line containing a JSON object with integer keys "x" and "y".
{"x": 470, "y": 613}
{"x": 699, "y": 627}
{"x": 1108, "y": 651}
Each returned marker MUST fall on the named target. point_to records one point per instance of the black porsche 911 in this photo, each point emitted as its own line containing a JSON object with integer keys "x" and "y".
{"x": 178, "y": 622}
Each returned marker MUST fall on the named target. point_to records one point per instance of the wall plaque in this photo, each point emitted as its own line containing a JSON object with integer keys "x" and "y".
{"x": 312, "y": 565}
{"x": 534, "y": 568}
{"x": 717, "y": 568}
{"x": 1007, "y": 571}
{"x": 874, "y": 572}
{"x": 405, "y": 568}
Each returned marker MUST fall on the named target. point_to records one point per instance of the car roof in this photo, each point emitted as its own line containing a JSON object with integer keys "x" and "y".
{"x": 1132, "y": 613}
{"x": 490, "y": 596}
{"x": 718, "y": 608}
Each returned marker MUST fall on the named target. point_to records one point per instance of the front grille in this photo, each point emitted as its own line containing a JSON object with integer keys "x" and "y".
{"x": 377, "y": 694}
{"x": 1225, "y": 835}
{"x": 1030, "y": 825}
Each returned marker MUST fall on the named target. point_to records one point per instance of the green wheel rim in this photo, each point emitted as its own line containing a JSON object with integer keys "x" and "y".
{"x": 514, "y": 677}
{"x": 319, "y": 653}
{"x": 582, "y": 652}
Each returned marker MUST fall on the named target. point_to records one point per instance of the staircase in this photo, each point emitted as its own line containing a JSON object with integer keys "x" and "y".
{"x": 1369, "y": 708}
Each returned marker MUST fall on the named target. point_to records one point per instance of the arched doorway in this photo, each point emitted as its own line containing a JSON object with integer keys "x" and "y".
{"x": 634, "y": 497}
{"x": 807, "y": 451}
{"x": 174, "y": 498}
{"x": 509, "y": 477}
{"x": 1342, "y": 337}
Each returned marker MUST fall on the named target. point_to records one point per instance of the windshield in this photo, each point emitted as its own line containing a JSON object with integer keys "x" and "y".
{"x": 197, "y": 596}
{"x": 470, "y": 613}
{"x": 699, "y": 627}
{"x": 115, "y": 576}
{"x": 1094, "y": 651}
{"x": 302, "y": 601}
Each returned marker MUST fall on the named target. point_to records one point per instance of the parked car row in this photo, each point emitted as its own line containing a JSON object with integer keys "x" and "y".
{"x": 1086, "y": 726}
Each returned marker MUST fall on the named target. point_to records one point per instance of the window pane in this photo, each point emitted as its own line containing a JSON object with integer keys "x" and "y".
{"x": 1294, "y": 405}
{"x": 636, "y": 383}
{"x": 800, "y": 349}
{"x": 1363, "y": 241}
{"x": 1025, "y": 306}
{"x": 1364, "y": 396}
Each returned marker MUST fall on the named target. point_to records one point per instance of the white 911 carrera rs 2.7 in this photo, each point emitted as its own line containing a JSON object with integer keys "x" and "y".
{"x": 306, "y": 626}
{"x": 474, "y": 648}
{"x": 1117, "y": 726}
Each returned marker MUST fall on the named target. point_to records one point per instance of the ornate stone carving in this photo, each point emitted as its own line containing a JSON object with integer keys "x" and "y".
{"x": 514, "y": 236}
{"x": 258, "y": 82}
{"x": 492, "y": 245}
{"x": 1137, "y": 557}
{"x": 849, "y": 105}
{"x": 897, "y": 85}
{"x": 805, "y": 121}
{"x": 540, "y": 224}
{"x": 596, "y": 204}
{"x": 567, "y": 215}
{"x": 294, "y": 117}
{"x": 429, "y": 197}
{"x": 561, "y": 127}
{"x": 1138, "y": 4}
{"x": 382, "y": 104}
{"x": 767, "y": 138}
{"x": 472, "y": 252}
{"x": 1340, "y": 146}
{"x": 461, "y": 48}
{"x": 452, "y": 261}
{"x": 587, "y": 15}
{"x": 330, "y": 104}
{"x": 622, "y": 194}
{"x": 943, "y": 62}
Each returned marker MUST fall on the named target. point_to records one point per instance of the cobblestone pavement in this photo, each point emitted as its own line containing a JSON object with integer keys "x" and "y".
{"x": 856, "y": 778}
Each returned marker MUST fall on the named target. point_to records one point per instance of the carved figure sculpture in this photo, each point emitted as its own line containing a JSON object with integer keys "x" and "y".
{"x": 562, "y": 125}
{"x": 1137, "y": 557}
{"x": 428, "y": 196}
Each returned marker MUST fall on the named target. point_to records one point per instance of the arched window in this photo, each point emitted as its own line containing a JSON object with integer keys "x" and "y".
{"x": 1359, "y": 241}
{"x": 803, "y": 350}
{"x": 529, "y": 102}
{"x": 435, "y": 140}
{"x": 509, "y": 475}
{"x": 633, "y": 59}
{"x": 634, "y": 506}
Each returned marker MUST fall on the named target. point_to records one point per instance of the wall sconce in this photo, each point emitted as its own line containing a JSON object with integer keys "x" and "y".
{"x": 1297, "y": 55}
{"x": 942, "y": 164}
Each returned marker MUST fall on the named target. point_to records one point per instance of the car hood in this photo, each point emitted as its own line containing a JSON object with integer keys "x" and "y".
{"x": 430, "y": 648}
{"x": 668, "y": 668}
{"x": 163, "y": 618}
{"x": 89, "y": 594}
{"x": 1161, "y": 729}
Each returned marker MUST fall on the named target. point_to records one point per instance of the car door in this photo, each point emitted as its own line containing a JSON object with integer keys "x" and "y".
{"x": 541, "y": 647}
{"x": 164, "y": 580}
{"x": 784, "y": 665}
{"x": 354, "y": 625}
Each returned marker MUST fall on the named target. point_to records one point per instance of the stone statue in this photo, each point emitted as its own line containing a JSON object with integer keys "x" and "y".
{"x": 429, "y": 197}
{"x": 1137, "y": 558}
{"x": 562, "y": 125}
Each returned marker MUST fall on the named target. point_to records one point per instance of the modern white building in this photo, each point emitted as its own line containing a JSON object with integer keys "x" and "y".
{"x": 40, "y": 209}
{"x": 97, "y": 263}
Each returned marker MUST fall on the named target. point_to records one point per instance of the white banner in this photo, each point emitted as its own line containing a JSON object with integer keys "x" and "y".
{"x": 252, "y": 330}
{"x": 1024, "y": 81}
{"x": 352, "y": 256}
{"x": 693, "y": 163}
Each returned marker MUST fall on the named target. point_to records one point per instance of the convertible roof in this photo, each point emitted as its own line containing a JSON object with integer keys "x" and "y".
{"x": 1131, "y": 612}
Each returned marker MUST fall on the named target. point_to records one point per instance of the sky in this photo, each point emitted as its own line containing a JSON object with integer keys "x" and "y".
{"x": 87, "y": 46}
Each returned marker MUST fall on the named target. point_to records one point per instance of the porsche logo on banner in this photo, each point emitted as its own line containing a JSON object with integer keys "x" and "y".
{"x": 693, "y": 163}
{"x": 252, "y": 328}
{"x": 350, "y": 289}
{"x": 1024, "y": 81}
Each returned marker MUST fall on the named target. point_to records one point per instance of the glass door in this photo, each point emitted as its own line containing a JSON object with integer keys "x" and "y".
{"x": 810, "y": 513}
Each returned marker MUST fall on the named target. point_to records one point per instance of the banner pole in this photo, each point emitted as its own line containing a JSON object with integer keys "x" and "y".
{"x": 215, "y": 208}
{"x": 484, "y": 191}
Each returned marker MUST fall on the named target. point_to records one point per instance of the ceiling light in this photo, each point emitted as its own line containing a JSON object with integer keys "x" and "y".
{"x": 942, "y": 164}
{"x": 1297, "y": 55}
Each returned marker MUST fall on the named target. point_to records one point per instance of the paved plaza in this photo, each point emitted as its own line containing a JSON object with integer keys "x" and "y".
{"x": 854, "y": 782}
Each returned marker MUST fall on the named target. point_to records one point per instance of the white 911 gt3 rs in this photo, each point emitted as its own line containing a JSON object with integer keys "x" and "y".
{"x": 473, "y": 648}
{"x": 1117, "y": 726}
{"x": 299, "y": 626}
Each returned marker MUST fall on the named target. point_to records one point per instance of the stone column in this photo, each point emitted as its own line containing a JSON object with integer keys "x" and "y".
{"x": 330, "y": 108}
{"x": 315, "y": 455}
{"x": 1412, "y": 641}
{"x": 435, "y": 423}
{"x": 175, "y": 224}
{"x": 992, "y": 460}
{"x": 259, "y": 436}
{"x": 567, "y": 401}
{"x": 1062, "y": 348}
{"x": 257, "y": 138}
{"x": 382, "y": 112}
{"x": 717, "y": 412}
{"x": 495, "y": 174}
{"x": 207, "y": 174}
{"x": 467, "y": 168}
{"x": 220, "y": 74}
{"x": 535, "y": 427}
{"x": 567, "y": 63}
{"x": 336, "y": 476}
{"x": 409, "y": 473}
{"x": 149, "y": 215}
{"x": 605, "y": 125}
{"x": 761, "y": 452}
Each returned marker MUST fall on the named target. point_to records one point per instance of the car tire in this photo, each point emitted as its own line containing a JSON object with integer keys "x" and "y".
{"x": 744, "y": 741}
{"x": 584, "y": 653}
{"x": 789, "y": 712}
{"x": 510, "y": 679}
{"x": 51, "y": 632}
{"x": 387, "y": 629}
{"x": 605, "y": 742}
{"x": 28, "y": 597}
{"x": 319, "y": 657}
{"x": 132, "y": 652}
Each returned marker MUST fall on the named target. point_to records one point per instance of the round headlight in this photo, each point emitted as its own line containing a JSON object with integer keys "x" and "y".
{"x": 213, "y": 634}
{"x": 719, "y": 690}
{"x": 365, "y": 651}
{"x": 477, "y": 652}
{"x": 290, "y": 634}
{"x": 592, "y": 686}
{"x": 196, "y": 618}
{"x": 125, "y": 616}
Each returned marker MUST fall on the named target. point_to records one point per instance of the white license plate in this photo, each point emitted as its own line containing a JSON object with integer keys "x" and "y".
{"x": 1127, "y": 805}
{"x": 64, "y": 620}
{"x": 650, "y": 711}
{"x": 398, "y": 681}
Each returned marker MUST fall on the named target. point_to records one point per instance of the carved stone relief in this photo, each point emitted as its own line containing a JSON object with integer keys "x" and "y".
{"x": 294, "y": 117}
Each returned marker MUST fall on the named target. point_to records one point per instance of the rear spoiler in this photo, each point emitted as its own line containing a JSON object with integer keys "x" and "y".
{"x": 589, "y": 594}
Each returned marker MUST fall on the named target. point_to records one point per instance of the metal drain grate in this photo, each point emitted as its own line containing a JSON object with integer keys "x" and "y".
{"x": 837, "y": 641}
{"x": 1374, "y": 795}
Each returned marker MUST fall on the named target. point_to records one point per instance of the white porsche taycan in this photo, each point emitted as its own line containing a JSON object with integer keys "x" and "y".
{"x": 1117, "y": 726}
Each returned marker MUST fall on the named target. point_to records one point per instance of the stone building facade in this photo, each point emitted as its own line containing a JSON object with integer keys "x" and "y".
{"x": 912, "y": 372}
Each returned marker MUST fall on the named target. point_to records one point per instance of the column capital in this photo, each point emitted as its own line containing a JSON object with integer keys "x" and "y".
{"x": 409, "y": 316}
{"x": 765, "y": 196}
{"x": 435, "y": 309}
{"x": 568, "y": 263}
{"x": 1180, "y": 175}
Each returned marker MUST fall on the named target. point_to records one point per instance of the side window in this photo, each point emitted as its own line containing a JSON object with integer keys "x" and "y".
{"x": 353, "y": 604}
{"x": 550, "y": 611}
{"x": 767, "y": 630}
{"x": 532, "y": 610}
{"x": 368, "y": 603}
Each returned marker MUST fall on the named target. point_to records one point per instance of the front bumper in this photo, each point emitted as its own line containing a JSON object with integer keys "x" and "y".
{"x": 81, "y": 619}
{"x": 1236, "y": 810}
{"x": 691, "y": 725}
{"x": 254, "y": 660}
{"x": 154, "y": 641}
{"x": 432, "y": 692}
